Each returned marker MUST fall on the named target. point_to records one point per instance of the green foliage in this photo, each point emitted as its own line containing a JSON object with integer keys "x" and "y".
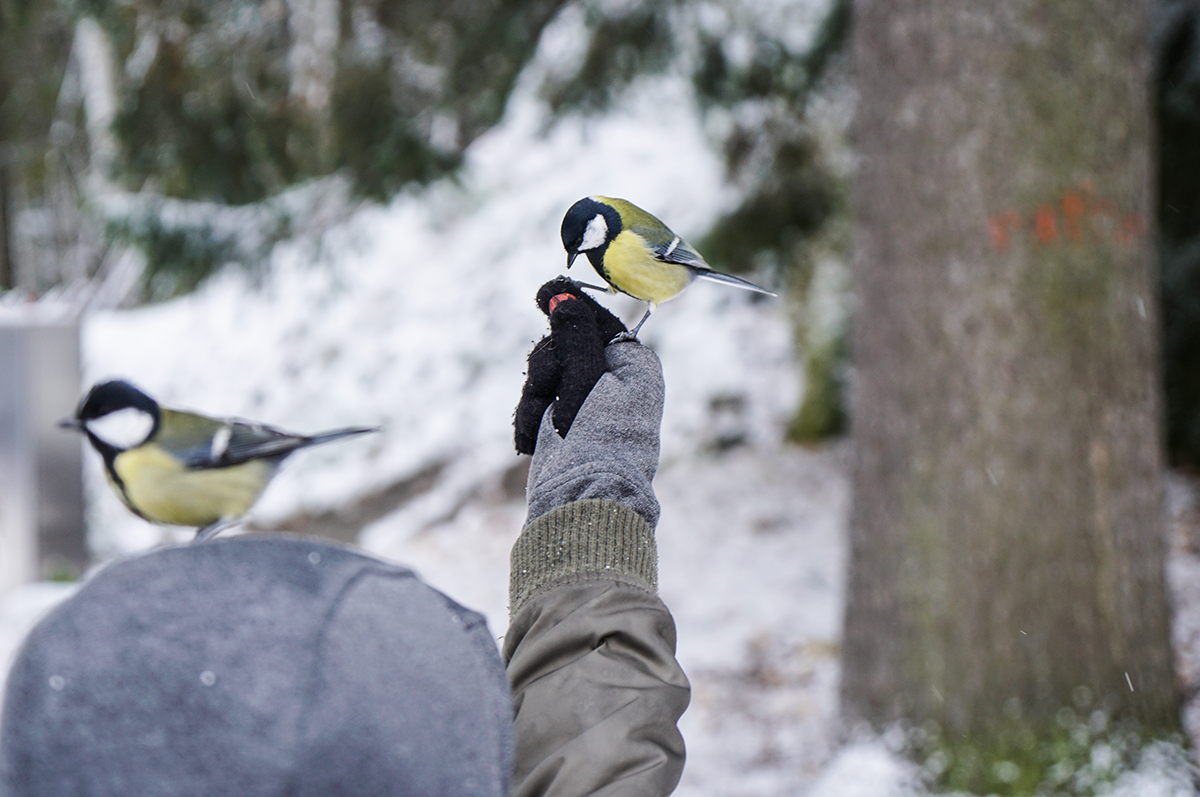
{"x": 232, "y": 102}
{"x": 495, "y": 39}
{"x": 380, "y": 145}
{"x": 178, "y": 259}
{"x": 1074, "y": 755}
{"x": 34, "y": 42}
{"x": 638, "y": 41}
{"x": 792, "y": 200}
{"x": 214, "y": 105}
{"x": 62, "y": 573}
{"x": 184, "y": 242}
{"x": 774, "y": 72}
{"x": 35, "y": 37}
{"x": 204, "y": 111}
{"x": 204, "y": 144}
{"x": 791, "y": 195}
{"x": 791, "y": 192}
{"x": 822, "y": 411}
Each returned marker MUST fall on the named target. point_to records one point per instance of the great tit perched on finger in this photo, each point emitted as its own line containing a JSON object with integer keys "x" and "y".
{"x": 635, "y": 253}
{"x": 182, "y": 468}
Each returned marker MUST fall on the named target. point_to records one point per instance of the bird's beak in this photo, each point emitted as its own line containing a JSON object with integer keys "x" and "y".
{"x": 70, "y": 423}
{"x": 571, "y": 257}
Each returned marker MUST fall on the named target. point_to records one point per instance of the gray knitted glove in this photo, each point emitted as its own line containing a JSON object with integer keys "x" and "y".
{"x": 611, "y": 450}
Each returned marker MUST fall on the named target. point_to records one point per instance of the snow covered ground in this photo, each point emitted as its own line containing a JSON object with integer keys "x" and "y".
{"x": 418, "y": 316}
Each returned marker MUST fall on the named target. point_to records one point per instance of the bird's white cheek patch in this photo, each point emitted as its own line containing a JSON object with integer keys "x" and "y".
{"x": 124, "y": 428}
{"x": 595, "y": 234}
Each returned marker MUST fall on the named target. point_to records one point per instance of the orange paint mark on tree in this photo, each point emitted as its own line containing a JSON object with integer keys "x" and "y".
{"x": 1045, "y": 225}
{"x": 1073, "y": 206}
{"x": 1085, "y": 216}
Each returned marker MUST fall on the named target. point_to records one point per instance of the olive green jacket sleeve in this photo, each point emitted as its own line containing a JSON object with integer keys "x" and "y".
{"x": 590, "y": 653}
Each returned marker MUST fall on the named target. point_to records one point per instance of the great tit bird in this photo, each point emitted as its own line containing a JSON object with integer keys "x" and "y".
{"x": 635, "y": 253}
{"x": 182, "y": 468}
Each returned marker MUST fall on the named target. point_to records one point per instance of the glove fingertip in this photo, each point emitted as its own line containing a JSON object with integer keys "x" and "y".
{"x": 553, "y": 288}
{"x": 524, "y": 443}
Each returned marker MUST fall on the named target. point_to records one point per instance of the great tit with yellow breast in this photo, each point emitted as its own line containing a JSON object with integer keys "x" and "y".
{"x": 181, "y": 468}
{"x": 635, "y": 253}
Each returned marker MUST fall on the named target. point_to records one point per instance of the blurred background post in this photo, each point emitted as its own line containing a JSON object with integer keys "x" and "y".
{"x": 41, "y": 483}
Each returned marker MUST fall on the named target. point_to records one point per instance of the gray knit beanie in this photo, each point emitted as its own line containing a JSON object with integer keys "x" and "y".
{"x": 256, "y": 666}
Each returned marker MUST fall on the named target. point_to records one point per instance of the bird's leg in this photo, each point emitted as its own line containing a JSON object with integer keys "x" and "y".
{"x": 632, "y": 334}
{"x": 210, "y": 531}
{"x": 604, "y": 288}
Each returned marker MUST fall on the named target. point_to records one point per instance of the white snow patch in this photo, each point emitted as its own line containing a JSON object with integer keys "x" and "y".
{"x": 867, "y": 769}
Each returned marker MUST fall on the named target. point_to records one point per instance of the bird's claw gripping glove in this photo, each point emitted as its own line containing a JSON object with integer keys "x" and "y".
{"x": 565, "y": 364}
{"x": 600, "y": 439}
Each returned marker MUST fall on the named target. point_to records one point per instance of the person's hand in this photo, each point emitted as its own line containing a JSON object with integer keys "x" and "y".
{"x": 591, "y": 714}
{"x": 564, "y": 365}
{"x": 600, "y": 439}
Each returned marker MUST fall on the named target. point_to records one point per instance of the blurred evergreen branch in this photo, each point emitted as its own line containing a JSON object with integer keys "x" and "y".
{"x": 226, "y": 100}
{"x": 635, "y": 41}
{"x": 233, "y": 102}
{"x": 772, "y": 150}
{"x": 791, "y": 195}
{"x": 34, "y": 39}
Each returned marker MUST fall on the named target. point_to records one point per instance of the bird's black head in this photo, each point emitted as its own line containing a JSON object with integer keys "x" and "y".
{"x": 106, "y": 398}
{"x": 126, "y": 417}
{"x": 588, "y": 227}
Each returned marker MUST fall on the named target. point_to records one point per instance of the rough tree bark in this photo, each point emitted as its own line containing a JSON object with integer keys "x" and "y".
{"x": 1006, "y": 547}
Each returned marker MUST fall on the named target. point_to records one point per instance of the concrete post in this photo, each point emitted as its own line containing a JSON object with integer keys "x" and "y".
{"x": 41, "y": 484}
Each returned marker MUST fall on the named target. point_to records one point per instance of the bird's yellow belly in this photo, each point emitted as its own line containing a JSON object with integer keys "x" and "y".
{"x": 634, "y": 270}
{"x": 163, "y": 490}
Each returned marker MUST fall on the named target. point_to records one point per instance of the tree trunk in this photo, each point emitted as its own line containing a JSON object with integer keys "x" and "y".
{"x": 1007, "y": 553}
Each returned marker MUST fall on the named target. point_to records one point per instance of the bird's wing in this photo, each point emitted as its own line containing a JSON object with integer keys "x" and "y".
{"x": 201, "y": 442}
{"x": 247, "y": 440}
{"x": 676, "y": 250}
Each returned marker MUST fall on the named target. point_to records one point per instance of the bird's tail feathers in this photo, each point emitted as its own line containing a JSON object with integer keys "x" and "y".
{"x": 338, "y": 434}
{"x": 729, "y": 279}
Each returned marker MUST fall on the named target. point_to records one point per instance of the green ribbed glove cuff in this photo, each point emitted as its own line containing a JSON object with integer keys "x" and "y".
{"x": 592, "y": 536}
